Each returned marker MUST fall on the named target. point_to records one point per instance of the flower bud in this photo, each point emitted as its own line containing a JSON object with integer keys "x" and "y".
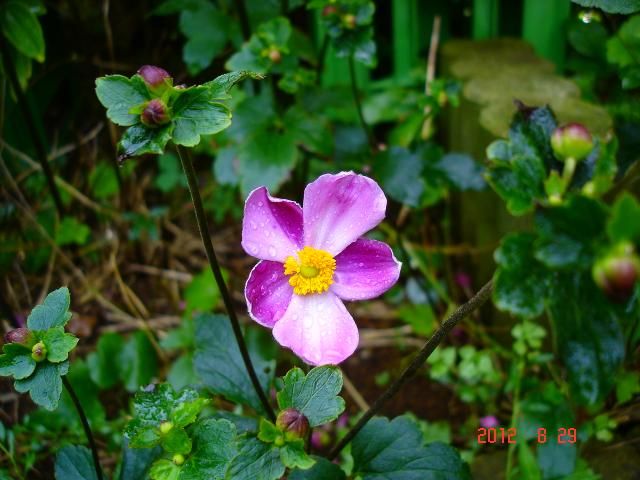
{"x": 39, "y": 352}
{"x": 349, "y": 21}
{"x": 329, "y": 10}
{"x": 291, "y": 420}
{"x": 156, "y": 78}
{"x": 617, "y": 273}
{"x": 571, "y": 141}
{"x": 178, "y": 459}
{"x": 166, "y": 427}
{"x": 155, "y": 113}
{"x": 23, "y": 336}
{"x": 275, "y": 56}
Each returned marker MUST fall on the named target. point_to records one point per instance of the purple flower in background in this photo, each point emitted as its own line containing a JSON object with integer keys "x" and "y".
{"x": 312, "y": 258}
{"x": 489, "y": 421}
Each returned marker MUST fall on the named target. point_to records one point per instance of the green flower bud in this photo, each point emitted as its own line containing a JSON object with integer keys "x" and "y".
{"x": 155, "y": 113}
{"x": 22, "y": 336}
{"x": 571, "y": 141}
{"x": 349, "y": 21}
{"x": 165, "y": 427}
{"x": 178, "y": 459}
{"x": 39, "y": 352}
{"x": 293, "y": 422}
{"x": 617, "y": 273}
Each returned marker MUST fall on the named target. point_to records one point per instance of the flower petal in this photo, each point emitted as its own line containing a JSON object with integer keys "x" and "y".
{"x": 318, "y": 328}
{"x": 271, "y": 227}
{"x": 268, "y": 292}
{"x": 340, "y": 208}
{"x": 364, "y": 270}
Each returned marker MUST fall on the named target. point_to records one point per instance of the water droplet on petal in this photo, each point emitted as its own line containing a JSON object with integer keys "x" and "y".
{"x": 272, "y": 251}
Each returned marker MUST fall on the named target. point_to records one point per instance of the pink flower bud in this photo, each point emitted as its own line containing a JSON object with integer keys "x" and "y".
{"x": 489, "y": 421}
{"x": 155, "y": 113}
{"x": 291, "y": 420}
{"x": 275, "y": 56}
{"x": 153, "y": 76}
{"x": 617, "y": 273}
{"x": 23, "y": 336}
{"x": 571, "y": 141}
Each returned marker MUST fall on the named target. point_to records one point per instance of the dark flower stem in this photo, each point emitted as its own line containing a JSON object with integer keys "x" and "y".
{"x": 356, "y": 99}
{"x": 474, "y": 303}
{"x": 23, "y": 104}
{"x": 86, "y": 426}
{"x": 203, "y": 227}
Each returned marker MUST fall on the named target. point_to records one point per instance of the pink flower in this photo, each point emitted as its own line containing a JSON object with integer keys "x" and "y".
{"x": 489, "y": 421}
{"x": 312, "y": 258}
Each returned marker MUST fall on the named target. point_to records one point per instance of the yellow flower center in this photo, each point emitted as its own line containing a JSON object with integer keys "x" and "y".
{"x": 311, "y": 272}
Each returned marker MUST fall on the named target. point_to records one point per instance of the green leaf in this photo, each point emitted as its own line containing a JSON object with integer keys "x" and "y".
{"x": 103, "y": 370}
{"x": 202, "y": 293}
{"x": 256, "y": 461}
{"x": 44, "y": 385}
{"x": 187, "y": 412}
{"x": 292, "y": 455}
{"x": 103, "y": 181}
{"x": 181, "y": 373}
{"x": 588, "y": 335}
{"x": 88, "y": 395}
{"x": 138, "y": 362}
{"x": 390, "y": 450}
{"x": 520, "y": 183}
{"x": 314, "y": 395}
{"x": 463, "y": 171}
{"x": 136, "y": 462}
{"x": 567, "y": 233}
{"x": 119, "y": 94}
{"x": 268, "y": 432}
{"x": 544, "y": 408}
{"x": 194, "y": 114}
{"x": 556, "y": 460}
{"x": 399, "y": 172}
{"x": 176, "y": 441}
{"x": 323, "y": 469}
{"x": 309, "y": 130}
{"x": 214, "y": 448}
{"x": 16, "y": 361}
{"x": 75, "y": 463}
{"x": 624, "y": 222}
{"x": 22, "y": 29}
{"x": 220, "y": 86}
{"x": 206, "y": 30}
{"x": 52, "y": 312}
{"x": 623, "y": 47}
{"x": 266, "y": 158}
{"x": 164, "y": 470}
{"x": 627, "y": 385}
{"x": 139, "y": 140}
{"x": 612, "y": 6}
{"x": 169, "y": 174}
{"x": 219, "y": 364}
{"x": 520, "y": 281}
{"x": 147, "y": 437}
{"x": 72, "y": 232}
{"x": 58, "y": 344}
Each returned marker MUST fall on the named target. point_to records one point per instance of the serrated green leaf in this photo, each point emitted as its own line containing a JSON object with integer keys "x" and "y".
{"x": 256, "y": 461}
{"x": 400, "y": 173}
{"x": 176, "y": 441}
{"x": 16, "y": 361}
{"x": 220, "y": 86}
{"x": 136, "y": 462}
{"x": 206, "y": 30}
{"x": 214, "y": 447}
{"x": 44, "y": 384}
{"x": 58, "y": 344}
{"x": 164, "y": 470}
{"x": 520, "y": 183}
{"x": 119, "y": 94}
{"x": 194, "y": 114}
{"x": 393, "y": 450}
{"x": 104, "y": 371}
{"x": 52, "y": 312}
{"x": 187, "y": 412}
{"x": 75, "y": 463}
{"x": 147, "y": 437}
{"x": 292, "y": 455}
{"x": 314, "y": 395}
{"x": 588, "y": 335}
{"x": 22, "y": 29}
{"x": 624, "y": 222}
{"x": 140, "y": 140}
{"x": 520, "y": 281}
{"x": 612, "y": 6}
{"x": 138, "y": 361}
{"x": 219, "y": 364}
{"x": 268, "y": 431}
{"x": 627, "y": 385}
{"x": 323, "y": 469}
{"x": 71, "y": 231}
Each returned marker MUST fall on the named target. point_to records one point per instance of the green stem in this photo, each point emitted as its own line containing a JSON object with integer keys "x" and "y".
{"x": 421, "y": 357}
{"x": 85, "y": 425}
{"x": 203, "y": 227}
{"x": 514, "y": 416}
{"x": 356, "y": 99}
{"x": 321, "y": 57}
{"x": 567, "y": 172}
{"x": 23, "y": 104}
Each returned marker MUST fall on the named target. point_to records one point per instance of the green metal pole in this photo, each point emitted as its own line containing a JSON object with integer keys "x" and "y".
{"x": 485, "y": 18}
{"x": 543, "y": 25}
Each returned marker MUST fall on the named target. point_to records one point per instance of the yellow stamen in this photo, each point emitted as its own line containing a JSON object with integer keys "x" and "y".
{"x": 311, "y": 272}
